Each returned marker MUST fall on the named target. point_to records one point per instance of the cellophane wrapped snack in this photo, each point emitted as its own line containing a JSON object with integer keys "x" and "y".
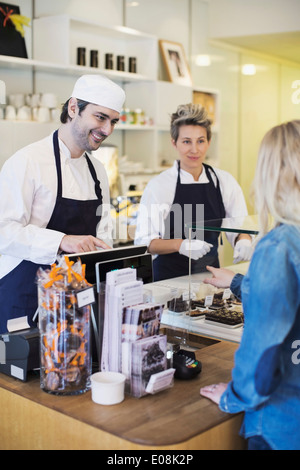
{"x": 64, "y": 329}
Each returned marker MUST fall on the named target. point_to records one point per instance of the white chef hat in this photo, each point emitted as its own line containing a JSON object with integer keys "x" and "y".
{"x": 99, "y": 90}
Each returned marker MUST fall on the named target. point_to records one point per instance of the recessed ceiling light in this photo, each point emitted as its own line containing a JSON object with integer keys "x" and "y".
{"x": 248, "y": 69}
{"x": 203, "y": 60}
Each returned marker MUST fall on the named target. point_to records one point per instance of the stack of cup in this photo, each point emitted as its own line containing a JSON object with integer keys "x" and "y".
{"x": 37, "y": 107}
{"x": 47, "y": 110}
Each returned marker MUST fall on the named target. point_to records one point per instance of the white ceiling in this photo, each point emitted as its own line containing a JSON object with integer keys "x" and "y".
{"x": 282, "y": 45}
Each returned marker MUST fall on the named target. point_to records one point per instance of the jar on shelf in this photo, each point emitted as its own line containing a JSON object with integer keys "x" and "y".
{"x": 94, "y": 58}
{"x": 121, "y": 63}
{"x": 81, "y": 56}
{"x": 123, "y": 116}
{"x": 139, "y": 116}
{"x": 132, "y": 66}
{"x": 109, "y": 61}
{"x": 130, "y": 118}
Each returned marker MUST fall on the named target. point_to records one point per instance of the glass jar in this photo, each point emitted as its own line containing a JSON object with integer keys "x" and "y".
{"x": 64, "y": 342}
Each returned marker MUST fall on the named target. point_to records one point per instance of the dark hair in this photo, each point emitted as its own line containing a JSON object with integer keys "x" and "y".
{"x": 190, "y": 114}
{"x": 64, "y": 117}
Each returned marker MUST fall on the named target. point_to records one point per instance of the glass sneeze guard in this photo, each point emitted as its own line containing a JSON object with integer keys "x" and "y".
{"x": 247, "y": 224}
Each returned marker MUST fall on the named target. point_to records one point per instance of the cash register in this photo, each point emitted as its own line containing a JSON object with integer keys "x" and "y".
{"x": 19, "y": 353}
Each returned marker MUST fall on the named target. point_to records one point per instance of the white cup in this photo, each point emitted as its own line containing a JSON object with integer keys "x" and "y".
{"x": 108, "y": 388}
{"x": 10, "y": 113}
{"x": 35, "y": 113}
{"x": 19, "y": 100}
{"x": 33, "y": 100}
{"x": 43, "y": 114}
{"x": 24, "y": 113}
{"x": 55, "y": 114}
{"x": 12, "y": 100}
{"x": 49, "y": 100}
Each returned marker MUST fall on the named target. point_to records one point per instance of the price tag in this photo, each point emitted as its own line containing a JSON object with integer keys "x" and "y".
{"x": 85, "y": 297}
{"x": 185, "y": 296}
{"x": 208, "y": 300}
{"x": 226, "y": 294}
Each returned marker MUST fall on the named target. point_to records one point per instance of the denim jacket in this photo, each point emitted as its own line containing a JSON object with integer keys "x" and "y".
{"x": 266, "y": 377}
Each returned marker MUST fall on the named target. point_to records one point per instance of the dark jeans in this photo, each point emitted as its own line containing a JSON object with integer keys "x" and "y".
{"x": 258, "y": 443}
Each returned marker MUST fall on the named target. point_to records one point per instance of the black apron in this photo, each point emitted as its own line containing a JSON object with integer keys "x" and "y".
{"x": 188, "y": 198}
{"x": 18, "y": 289}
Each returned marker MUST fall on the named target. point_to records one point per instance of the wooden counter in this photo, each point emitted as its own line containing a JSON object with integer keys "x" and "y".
{"x": 178, "y": 418}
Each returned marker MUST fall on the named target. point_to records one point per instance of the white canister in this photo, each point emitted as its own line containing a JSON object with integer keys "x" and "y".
{"x": 108, "y": 388}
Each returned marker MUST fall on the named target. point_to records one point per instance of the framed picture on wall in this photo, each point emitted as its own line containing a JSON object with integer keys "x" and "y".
{"x": 175, "y": 62}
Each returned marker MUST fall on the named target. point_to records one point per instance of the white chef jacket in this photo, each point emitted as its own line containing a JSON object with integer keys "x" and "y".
{"x": 28, "y": 190}
{"x": 159, "y": 194}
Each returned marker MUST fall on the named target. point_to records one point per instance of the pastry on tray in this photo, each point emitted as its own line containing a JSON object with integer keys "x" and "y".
{"x": 217, "y": 302}
{"x": 197, "y": 313}
{"x": 177, "y": 305}
{"x": 223, "y": 315}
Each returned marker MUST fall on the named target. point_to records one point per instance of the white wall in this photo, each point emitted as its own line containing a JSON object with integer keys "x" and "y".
{"x": 101, "y": 11}
{"x": 247, "y": 17}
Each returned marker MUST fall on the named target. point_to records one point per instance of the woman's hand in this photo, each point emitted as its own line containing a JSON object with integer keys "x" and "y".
{"x": 221, "y": 277}
{"x": 214, "y": 392}
{"x": 81, "y": 244}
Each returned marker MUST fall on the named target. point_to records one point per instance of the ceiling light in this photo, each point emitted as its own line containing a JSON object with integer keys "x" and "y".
{"x": 203, "y": 60}
{"x": 248, "y": 69}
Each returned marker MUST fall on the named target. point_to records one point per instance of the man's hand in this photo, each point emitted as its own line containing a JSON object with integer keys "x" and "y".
{"x": 81, "y": 244}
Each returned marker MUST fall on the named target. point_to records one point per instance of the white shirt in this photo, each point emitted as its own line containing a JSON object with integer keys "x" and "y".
{"x": 28, "y": 190}
{"x": 159, "y": 194}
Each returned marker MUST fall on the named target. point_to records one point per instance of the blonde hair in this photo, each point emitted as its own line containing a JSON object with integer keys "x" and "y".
{"x": 190, "y": 114}
{"x": 277, "y": 177}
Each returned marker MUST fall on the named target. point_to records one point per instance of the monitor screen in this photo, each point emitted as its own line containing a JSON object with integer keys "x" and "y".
{"x": 90, "y": 259}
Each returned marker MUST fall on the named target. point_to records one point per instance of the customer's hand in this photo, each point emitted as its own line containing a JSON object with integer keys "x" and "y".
{"x": 81, "y": 244}
{"x": 214, "y": 392}
{"x": 243, "y": 250}
{"x": 222, "y": 277}
{"x": 194, "y": 248}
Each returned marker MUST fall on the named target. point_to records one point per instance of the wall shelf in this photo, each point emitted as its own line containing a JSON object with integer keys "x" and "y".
{"x": 73, "y": 70}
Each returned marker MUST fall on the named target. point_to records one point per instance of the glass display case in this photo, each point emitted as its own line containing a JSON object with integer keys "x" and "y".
{"x": 199, "y": 308}
{"x": 215, "y": 312}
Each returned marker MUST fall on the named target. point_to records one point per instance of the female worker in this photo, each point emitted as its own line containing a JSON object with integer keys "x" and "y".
{"x": 187, "y": 193}
{"x": 265, "y": 378}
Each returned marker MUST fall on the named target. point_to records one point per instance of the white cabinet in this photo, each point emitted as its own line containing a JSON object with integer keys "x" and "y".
{"x": 56, "y": 39}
